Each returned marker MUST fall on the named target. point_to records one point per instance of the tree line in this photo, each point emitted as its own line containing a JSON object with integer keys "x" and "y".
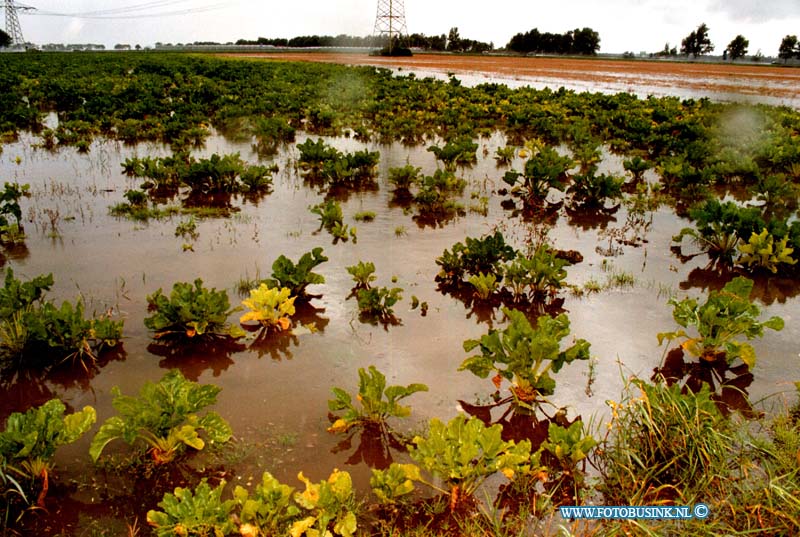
{"x": 579, "y": 41}
{"x": 452, "y": 42}
{"x": 698, "y": 43}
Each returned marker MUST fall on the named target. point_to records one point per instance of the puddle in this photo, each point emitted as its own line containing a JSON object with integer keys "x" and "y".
{"x": 275, "y": 393}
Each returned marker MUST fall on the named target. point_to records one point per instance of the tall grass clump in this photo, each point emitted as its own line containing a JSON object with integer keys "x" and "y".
{"x": 663, "y": 446}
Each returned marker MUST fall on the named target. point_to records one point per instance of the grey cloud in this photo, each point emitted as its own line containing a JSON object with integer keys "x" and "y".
{"x": 757, "y": 11}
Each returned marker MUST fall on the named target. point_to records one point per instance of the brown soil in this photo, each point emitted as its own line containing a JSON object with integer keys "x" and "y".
{"x": 774, "y": 81}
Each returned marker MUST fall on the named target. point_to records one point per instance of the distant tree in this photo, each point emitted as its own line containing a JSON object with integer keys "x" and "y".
{"x": 585, "y": 41}
{"x": 454, "y": 40}
{"x": 737, "y": 48}
{"x": 5, "y": 39}
{"x": 788, "y": 48}
{"x": 697, "y": 42}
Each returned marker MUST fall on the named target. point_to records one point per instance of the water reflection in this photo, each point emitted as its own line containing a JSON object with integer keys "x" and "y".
{"x": 767, "y": 289}
{"x": 375, "y": 443}
{"x": 484, "y": 310}
{"x": 728, "y": 384}
{"x": 195, "y": 357}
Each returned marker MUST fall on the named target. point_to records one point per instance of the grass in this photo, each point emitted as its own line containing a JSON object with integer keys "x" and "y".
{"x": 245, "y": 283}
{"x": 364, "y": 216}
{"x": 671, "y": 448}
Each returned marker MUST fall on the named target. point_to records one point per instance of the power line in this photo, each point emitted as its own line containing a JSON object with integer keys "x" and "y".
{"x": 129, "y": 12}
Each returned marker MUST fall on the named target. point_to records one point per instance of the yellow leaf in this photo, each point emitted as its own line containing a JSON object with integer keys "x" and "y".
{"x": 299, "y": 528}
{"x": 248, "y": 530}
{"x": 339, "y": 426}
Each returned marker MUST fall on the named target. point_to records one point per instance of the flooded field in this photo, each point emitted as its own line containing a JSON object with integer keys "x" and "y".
{"x": 274, "y": 393}
{"x": 772, "y": 85}
{"x": 86, "y": 148}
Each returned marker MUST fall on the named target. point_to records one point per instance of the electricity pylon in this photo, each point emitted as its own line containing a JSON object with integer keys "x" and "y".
{"x": 390, "y": 20}
{"x": 13, "y": 28}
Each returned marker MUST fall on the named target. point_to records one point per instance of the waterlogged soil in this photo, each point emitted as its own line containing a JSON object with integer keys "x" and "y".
{"x": 768, "y": 84}
{"x": 275, "y": 393}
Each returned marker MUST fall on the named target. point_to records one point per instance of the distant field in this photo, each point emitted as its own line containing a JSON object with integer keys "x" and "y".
{"x": 777, "y": 84}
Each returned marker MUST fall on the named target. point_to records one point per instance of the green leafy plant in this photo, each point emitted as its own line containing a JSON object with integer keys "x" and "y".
{"x": 363, "y": 274}
{"x": 591, "y": 189}
{"x": 725, "y": 316}
{"x": 378, "y": 302}
{"x": 32, "y": 328}
{"x": 534, "y": 277}
{"x": 191, "y": 311}
{"x": 297, "y": 277}
{"x": 330, "y": 507}
{"x": 474, "y": 256}
{"x": 485, "y": 285}
{"x": 272, "y": 308}
{"x": 568, "y": 446}
{"x": 394, "y": 484}
{"x": 378, "y": 402}
{"x": 464, "y": 453}
{"x": 332, "y": 220}
{"x": 404, "y": 177}
{"x": 525, "y": 355}
{"x": 314, "y": 154}
{"x": 187, "y": 229}
{"x": 30, "y": 440}
{"x": 719, "y": 227}
{"x": 270, "y": 510}
{"x": 763, "y": 251}
{"x": 636, "y": 166}
{"x": 201, "y": 512}
{"x": 67, "y": 331}
{"x": 544, "y": 170}
{"x": 364, "y": 216}
{"x": 455, "y": 152}
{"x": 504, "y": 155}
{"x": 9, "y": 205}
{"x": 164, "y": 418}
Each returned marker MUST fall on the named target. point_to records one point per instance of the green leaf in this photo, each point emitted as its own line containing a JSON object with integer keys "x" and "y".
{"x": 113, "y": 428}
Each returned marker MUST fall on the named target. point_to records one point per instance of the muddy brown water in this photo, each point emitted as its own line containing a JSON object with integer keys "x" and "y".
{"x": 275, "y": 395}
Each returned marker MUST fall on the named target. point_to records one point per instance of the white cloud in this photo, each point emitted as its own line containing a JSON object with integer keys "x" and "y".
{"x": 757, "y": 11}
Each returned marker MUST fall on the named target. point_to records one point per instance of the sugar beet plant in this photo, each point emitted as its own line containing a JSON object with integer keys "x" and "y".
{"x": 163, "y": 419}
{"x": 191, "y": 311}
{"x": 376, "y": 402}
{"x": 720, "y": 322}
{"x": 37, "y": 332}
{"x": 297, "y": 276}
{"x": 271, "y": 308}
{"x": 461, "y": 455}
{"x": 30, "y": 440}
{"x": 525, "y": 356}
{"x": 472, "y": 257}
{"x": 323, "y": 509}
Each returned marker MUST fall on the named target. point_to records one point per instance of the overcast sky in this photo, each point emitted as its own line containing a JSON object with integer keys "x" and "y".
{"x": 623, "y": 25}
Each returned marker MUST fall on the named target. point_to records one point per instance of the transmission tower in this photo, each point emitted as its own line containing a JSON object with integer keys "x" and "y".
{"x": 390, "y": 20}
{"x": 13, "y": 28}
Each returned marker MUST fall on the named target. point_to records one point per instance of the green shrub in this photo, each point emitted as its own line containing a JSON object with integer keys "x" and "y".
{"x": 191, "y": 311}
{"x": 163, "y": 418}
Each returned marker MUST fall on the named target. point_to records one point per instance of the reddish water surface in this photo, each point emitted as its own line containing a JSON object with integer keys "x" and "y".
{"x": 275, "y": 394}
